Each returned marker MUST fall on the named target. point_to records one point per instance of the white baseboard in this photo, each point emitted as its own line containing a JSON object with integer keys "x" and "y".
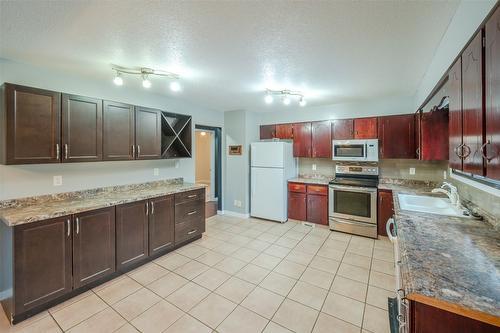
{"x": 235, "y": 214}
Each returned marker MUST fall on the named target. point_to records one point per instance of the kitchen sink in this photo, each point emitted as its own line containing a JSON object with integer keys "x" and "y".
{"x": 428, "y": 204}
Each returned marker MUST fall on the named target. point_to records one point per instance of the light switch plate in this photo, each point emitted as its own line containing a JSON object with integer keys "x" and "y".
{"x": 314, "y": 167}
{"x": 156, "y": 171}
{"x": 412, "y": 171}
{"x": 57, "y": 180}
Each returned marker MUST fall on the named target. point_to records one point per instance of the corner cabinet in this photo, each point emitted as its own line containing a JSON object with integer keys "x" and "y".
{"x": 397, "y": 136}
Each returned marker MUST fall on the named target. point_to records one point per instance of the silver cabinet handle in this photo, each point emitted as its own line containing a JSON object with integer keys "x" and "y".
{"x": 192, "y": 196}
{"x": 192, "y": 231}
{"x": 68, "y": 225}
{"x": 483, "y": 151}
{"x": 133, "y": 151}
{"x": 468, "y": 151}
{"x": 418, "y": 152}
{"x": 138, "y": 151}
{"x": 147, "y": 209}
{"x": 193, "y": 212}
{"x": 77, "y": 225}
{"x": 58, "y": 151}
{"x": 66, "y": 151}
{"x": 152, "y": 207}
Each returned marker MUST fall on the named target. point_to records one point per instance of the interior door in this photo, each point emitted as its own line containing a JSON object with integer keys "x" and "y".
{"x": 492, "y": 63}
{"x": 118, "y": 131}
{"x": 147, "y": 133}
{"x": 81, "y": 129}
{"x": 161, "y": 224}
{"x": 33, "y": 125}
{"x": 473, "y": 112}
{"x": 93, "y": 245}
{"x": 455, "y": 116}
{"x": 268, "y": 185}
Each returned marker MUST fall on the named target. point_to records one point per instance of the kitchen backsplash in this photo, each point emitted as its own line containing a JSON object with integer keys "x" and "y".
{"x": 394, "y": 168}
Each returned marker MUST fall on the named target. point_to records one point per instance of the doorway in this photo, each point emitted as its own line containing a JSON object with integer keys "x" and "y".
{"x": 208, "y": 171}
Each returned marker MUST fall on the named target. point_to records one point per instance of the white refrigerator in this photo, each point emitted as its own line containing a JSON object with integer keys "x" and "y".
{"x": 272, "y": 164}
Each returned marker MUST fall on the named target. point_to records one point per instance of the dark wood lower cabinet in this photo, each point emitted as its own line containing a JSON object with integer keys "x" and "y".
{"x": 42, "y": 262}
{"x": 189, "y": 215}
{"x": 297, "y": 206}
{"x": 131, "y": 233}
{"x": 93, "y": 245}
{"x": 385, "y": 210}
{"x": 317, "y": 209}
{"x": 161, "y": 224}
{"x": 308, "y": 203}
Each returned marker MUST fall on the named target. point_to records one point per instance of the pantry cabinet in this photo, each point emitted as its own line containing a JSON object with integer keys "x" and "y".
{"x": 397, "y": 136}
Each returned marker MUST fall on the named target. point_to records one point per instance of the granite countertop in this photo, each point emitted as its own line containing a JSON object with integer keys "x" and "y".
{"x": 26, "y": 210}
{"x": 311, "y": 180}
{"x": 451, "y": 260}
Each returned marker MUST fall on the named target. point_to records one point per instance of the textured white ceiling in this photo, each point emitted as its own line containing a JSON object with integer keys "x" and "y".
{"x": 228, "y": 52}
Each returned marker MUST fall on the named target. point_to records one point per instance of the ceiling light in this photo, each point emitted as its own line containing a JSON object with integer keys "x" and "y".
{"x": 268, "y": 99}
{"x": 286, "y": 100}
{"x": 302, "y": 102}
{"x": 118, "y": 79}
{"x": 203, "y": 133}
{"x": 175, "y": 86}
{"x": 145, "y": 82}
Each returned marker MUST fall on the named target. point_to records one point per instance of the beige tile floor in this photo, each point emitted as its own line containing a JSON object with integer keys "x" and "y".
{"x": 244, "y": 275}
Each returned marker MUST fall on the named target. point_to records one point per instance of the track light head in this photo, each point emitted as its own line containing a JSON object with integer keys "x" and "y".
{"x": 175, "y": 86}
{"x": 145, "y": 82}
{"x": 302, "y": 101}
{"x": 268, "y": 99}
{"x": 286, "y": 100}
{"x": 118, "y": 80}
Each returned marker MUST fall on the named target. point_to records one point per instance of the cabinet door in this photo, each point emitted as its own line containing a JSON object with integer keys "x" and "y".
{"x": 385, "y": 210}
{"x": 284, "y": 131}
{"x": 42, "y": 262}
{"x": 321, "y": 137}
{"x": 267, "y": 132}
{"x": 302, "y": 140}
{"x": 131, "y": 233}
{"x": 118, "y": 131}
{"x": 473, "y": 113}
{"x": 417, "y": 117}
{"x": 147, "y": 133}
{"x": 93, "y": 245}
{"x": 161, "y": 224}
{"x": 397, "y": 136}
{"x": 33, "y": 125}
{"x": 365, "y": 128}
{"x": 492, "y": 63}
{"x": 455, "y": 116}
{"x": 81, "y": 129}
{"x": 297, "y": 206}
{"x": 434, "y": 128}
{"x": 342, "y": 129}
{"x": 317, "y": 209}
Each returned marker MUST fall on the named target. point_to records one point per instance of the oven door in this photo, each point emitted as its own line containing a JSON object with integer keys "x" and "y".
{"x": 349, "y": 151}
{"x": 353, "y": 203}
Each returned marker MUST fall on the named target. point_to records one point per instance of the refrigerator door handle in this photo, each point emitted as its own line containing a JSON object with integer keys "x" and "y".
{"x": 253, "y": 175}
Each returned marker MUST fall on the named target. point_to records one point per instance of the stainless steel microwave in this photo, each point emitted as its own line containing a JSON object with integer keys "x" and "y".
{"x": 355, "y": 150}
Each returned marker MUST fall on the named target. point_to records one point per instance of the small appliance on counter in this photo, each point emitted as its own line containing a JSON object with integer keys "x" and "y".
{"x": 352, "y": 199}
{"x": 272, "y": 164}
{"x": 355, "y": 150}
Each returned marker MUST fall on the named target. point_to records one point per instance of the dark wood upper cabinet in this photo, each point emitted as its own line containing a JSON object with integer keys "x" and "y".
{"x": 118, "y": 131}
{"x": 491, "y": 149}
{"x": 302, "y": 140}
{"x": 267, "y": 132}
{"x": 385, "y": 210}
{"x": 93, "y": 245}
{"x": 365, "y": 128}
{"x": 147, "y": 133}
{"x": 418, "y": 137}
{"x": 397, "y": 136}
{"x": 81, "y": 129}
{"x": 284, "y": 131}
{"x": 42, "y": 262}
{"x": 161, "y": 224}
{"x": 321, "y": 137}
{"x": 455, "y": 116}
{"x": 131, "y": 233}
{"x": 434, "y": 132}
{"x": 33, "y": 125}
{"x": 472, "y": 104}
{"x": 343, "y": 129}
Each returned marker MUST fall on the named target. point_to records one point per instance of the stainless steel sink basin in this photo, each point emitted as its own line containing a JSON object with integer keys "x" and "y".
{"x": 428, "y": 204}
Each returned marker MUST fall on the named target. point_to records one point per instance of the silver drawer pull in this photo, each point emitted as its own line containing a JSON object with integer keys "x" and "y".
{"x": 192, "y": 196}
{"x": 68, "y": 222}
{"x": 77, "y": 225}
{"x": 192, "y": 231}
{"x": 193, "y": 212}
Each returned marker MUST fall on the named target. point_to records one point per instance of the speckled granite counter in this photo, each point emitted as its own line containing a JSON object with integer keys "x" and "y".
{"x": 32, "y": 209}
{"x": 448, "y": 260}
{"x": 310, "y": 180}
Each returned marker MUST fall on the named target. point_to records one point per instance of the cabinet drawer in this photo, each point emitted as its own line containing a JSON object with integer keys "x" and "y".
{"x": 296, "y": 187}
{"x": 189, "y": 196}
{"x": 188, "y": 229}
{"x": 188, "y": 211}
{"x": 317, "y": 189}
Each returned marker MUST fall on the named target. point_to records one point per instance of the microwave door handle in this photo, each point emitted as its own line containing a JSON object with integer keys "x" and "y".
{"x": 366, "y": 151}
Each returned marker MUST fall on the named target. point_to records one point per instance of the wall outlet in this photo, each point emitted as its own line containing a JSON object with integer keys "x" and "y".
{"x": 156, "y": 172}
{"x": 445, "y": 175}
{"x": 237, "y": 203}
{"x": 314, "y": 167}
{"x": 412, "y": 171}
{"x": 57, "y": 180}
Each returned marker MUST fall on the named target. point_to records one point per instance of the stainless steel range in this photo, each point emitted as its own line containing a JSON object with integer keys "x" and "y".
{"x": 353, "y": 199}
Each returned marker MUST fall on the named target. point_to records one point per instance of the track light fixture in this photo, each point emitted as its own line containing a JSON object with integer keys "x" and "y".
{"x": 145, "y": 73}
{"x": 285, "y": 96}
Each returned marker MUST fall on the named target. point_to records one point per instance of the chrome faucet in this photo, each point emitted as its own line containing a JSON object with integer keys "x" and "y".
{"x": 452, "y": 193}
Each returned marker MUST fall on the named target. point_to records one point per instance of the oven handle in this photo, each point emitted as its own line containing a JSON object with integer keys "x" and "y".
{"x": 354, "y": 188}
